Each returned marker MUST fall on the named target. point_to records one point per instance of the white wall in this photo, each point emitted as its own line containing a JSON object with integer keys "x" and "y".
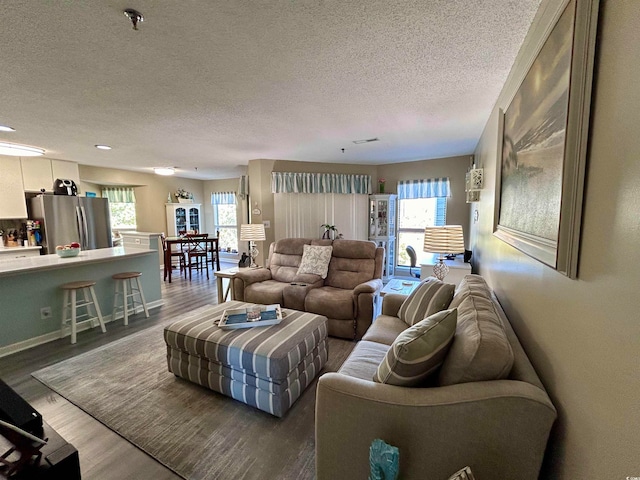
{"x": 583, "y": 336}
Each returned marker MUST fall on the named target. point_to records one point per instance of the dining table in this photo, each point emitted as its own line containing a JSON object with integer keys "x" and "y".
{"x": 211, "y": 244}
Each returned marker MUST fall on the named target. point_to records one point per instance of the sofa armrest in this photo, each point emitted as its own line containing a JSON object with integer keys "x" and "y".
{"x": 391, "y": 303}
{"x": 499, "y": 428}
{"x": 246, "y": 277}
{"x": 372, "y": 286}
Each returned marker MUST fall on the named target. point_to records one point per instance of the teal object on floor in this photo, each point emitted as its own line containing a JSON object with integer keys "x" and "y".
{"x": 384, "y": 461}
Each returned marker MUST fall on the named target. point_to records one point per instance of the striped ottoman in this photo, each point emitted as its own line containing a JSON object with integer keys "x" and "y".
{"x": 265, "y": 367}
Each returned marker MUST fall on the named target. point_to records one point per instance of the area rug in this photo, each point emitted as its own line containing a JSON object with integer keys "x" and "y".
{"x": 197, "y": 433}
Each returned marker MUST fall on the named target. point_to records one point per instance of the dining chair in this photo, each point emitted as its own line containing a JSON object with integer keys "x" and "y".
{"x": 179, "y": 254}
{"x": 197, "y": 252}
{"x": 213, "y": 252}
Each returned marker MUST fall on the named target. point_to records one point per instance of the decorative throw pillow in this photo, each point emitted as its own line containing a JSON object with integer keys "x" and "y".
{"x": 430, "y": 297}
{"x": 315, "y": 259}
{"x": 418, "y": 351}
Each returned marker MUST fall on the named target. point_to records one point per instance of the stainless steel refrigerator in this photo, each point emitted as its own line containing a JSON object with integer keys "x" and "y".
{"x": 65, "y": 219}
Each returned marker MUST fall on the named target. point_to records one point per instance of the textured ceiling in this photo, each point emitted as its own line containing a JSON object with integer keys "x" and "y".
{"x": 207, "y": 86}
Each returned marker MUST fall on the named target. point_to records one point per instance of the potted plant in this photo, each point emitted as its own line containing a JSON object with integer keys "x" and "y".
{"x": 183, "y": 196}
{"x": 330, "y": 231}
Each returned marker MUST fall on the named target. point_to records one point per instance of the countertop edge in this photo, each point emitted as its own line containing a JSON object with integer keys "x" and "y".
{"x": 53, "y": 262}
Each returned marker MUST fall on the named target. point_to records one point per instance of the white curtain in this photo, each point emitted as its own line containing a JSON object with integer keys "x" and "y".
{"x": 300, "y": 215}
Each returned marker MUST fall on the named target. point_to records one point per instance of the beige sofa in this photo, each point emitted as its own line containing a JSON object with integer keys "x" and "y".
{"x": 497, "y": 427}
{"x": 346, "y": 296}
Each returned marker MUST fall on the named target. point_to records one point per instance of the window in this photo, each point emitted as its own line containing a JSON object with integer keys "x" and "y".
{"x": 122, "y": 207}
{"x": 421, "y": 203}
{"x": 225, "y": 220}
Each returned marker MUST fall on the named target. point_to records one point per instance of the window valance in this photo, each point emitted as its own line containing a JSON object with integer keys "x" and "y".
{"x": 424, "y": 188}
{"x": 291, "y": 182}
{"x": 223, "y": 198}
{"x": 119, "y": 194}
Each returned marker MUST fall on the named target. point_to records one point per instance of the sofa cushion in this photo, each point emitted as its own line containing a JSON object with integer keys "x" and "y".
{"x": 284, "y": 258}
{"x": 480, "y": 350}
{"x": 266, "y": 292}
{"x": 364, "y": 360}
{"x": 315, "y": 260}
{"x": 385, "y": 329}
{"x": 353, "y": 262}
{"x": 418, "y": 351}
{"x": 430, "y": 297}
{"x": 330, "y": 302}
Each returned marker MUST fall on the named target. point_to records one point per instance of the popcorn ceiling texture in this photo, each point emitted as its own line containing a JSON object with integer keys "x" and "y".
{"x": 214, "y": 84}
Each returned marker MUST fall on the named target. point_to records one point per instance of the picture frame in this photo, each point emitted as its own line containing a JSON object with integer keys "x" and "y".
{"x": 542, "y": 143}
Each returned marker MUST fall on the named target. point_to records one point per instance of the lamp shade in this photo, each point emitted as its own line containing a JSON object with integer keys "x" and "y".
{"x": 252, "y": 232}
{"x": 445, "y": 239}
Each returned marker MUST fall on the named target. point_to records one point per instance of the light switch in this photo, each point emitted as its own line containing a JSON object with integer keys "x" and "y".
{"x": 266, "y": 223}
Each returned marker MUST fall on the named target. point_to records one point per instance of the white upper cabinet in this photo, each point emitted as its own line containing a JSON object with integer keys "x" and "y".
{"x": 39, "y": 172}
{"x": 12, "y": 201}
{"x": 62, "y": 169}
{"x": 36, "y": 174}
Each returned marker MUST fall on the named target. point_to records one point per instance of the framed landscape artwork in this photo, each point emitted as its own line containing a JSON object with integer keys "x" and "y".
{"x": 543, "y": 144}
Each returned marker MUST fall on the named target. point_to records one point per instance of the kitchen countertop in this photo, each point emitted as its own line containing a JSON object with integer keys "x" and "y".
{"x": 16, "y": 249}
{"x": 53, "y": 261}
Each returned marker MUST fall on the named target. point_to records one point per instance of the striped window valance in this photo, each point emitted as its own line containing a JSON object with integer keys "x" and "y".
{"x": 119, "y": 194}
{"x": 291, "y": 182}
{"x": 223, "y": 198}
{"x": 425, "y": 188}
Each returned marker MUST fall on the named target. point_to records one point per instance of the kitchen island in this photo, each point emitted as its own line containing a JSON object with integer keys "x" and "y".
{"x": 30, "y": 285}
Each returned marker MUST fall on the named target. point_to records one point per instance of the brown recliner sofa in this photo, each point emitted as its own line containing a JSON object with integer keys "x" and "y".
{"x": 347, "y": 296}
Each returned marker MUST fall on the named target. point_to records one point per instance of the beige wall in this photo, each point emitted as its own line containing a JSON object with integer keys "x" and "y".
{"x": 583, "y": 335}
{"x": 151, "y": 192}
{"x": 454, "y": 167}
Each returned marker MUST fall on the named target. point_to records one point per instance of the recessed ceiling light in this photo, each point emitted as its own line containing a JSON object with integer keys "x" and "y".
{"x": 367, "y": 140}
{"x": 19, "y": 150}
{"x": 6, "y": 128}
{"x": 164, "y": 171}
{"x": 103, "y": 147}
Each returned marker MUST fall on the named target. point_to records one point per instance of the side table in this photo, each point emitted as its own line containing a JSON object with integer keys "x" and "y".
{"x": 229, "y": 273}
{"x": 396, "y": 285}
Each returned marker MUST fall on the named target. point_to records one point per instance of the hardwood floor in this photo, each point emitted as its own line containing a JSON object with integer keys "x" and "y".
{"x": 104, "y": 455}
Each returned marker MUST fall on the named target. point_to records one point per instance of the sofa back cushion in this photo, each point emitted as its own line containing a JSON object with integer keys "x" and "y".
{"x": 481, "y": 349}
{"x": 284, "y": 258}
{"x": 353, "y": 262}
{"x": 418, "y": 351}
{"x": 431, "y": 296}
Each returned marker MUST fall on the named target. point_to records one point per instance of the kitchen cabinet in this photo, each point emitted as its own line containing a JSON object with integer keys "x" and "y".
{"x": 40, "y": 172}
{"x": 63, "y": 169}
{"x": 12, "y": 201}
{"x": 382, "y": 230}
{"x": 183, "y": 217}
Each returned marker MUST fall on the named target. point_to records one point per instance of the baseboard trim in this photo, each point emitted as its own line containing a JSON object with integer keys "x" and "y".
{"x": 81, "y": 327}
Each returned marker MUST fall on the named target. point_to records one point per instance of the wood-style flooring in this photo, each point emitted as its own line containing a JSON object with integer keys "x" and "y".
{"x": 104, "y": 455}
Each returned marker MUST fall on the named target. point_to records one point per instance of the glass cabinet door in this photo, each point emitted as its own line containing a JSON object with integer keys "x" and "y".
{"x": 181, "y": 219}
{"x": 194, "y": 219}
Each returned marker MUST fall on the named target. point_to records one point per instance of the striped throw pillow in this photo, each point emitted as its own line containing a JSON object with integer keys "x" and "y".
{"x": 430, "y": 297}
{"x": 418, "y": 351}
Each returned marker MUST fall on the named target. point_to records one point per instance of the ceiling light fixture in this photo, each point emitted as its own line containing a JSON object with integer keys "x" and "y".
{"x": 135, "y": 17}
{"x": 164, "y": 171}
{"x": 15, "y": 150}
{"x": 6, "y": 128}
{"x": 368, "y": 140}
{"x": 103, "y": 147}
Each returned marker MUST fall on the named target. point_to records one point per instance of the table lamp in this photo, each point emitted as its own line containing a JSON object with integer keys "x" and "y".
{"x": 252, "y": 232}
{"x": 447, "y": 239}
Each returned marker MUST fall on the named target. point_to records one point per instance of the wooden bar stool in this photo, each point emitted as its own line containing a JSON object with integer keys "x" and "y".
{"x": 71, "y": 303}
{"x": 130, "y": 287}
